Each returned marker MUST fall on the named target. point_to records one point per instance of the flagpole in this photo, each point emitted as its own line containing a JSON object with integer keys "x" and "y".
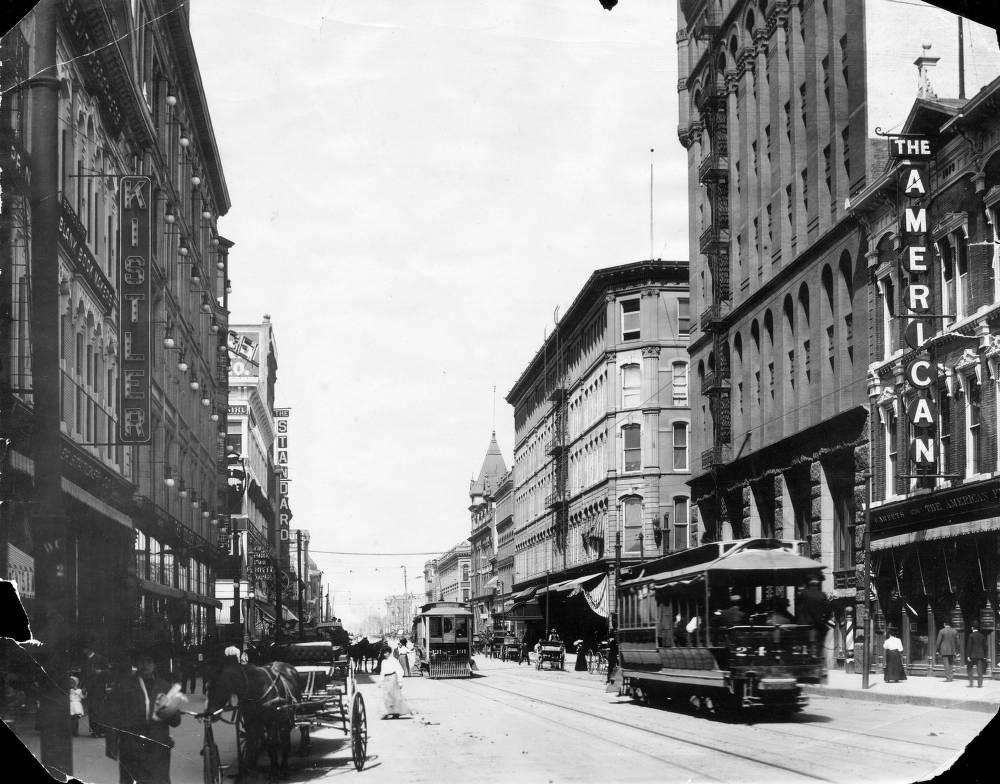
{"x": 866, "y": 546}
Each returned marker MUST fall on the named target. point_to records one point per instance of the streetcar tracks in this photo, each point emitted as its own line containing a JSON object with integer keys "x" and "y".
{"x": 715, "y": 748}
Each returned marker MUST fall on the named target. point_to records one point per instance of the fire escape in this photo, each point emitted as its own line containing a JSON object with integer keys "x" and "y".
{"x": 713, "y": 173}
{"x": 558, "y": 497}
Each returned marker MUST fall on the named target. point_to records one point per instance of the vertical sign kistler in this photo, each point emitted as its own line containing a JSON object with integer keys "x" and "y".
{"x": 134, "y": 309}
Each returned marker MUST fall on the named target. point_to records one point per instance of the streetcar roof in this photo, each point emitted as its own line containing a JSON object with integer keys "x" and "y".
{"x": 749, "y": 563}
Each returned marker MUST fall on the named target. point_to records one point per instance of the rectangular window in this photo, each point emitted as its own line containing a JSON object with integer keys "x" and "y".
{"x": 804, "y": 185}
{"x": 974, "y": 450}
{"x": 683, "y": 316}
{"x": 681, "y": 525}
{"x": 849, "y": 335}
{"x": 770, "y": 378}
{"x": 802, "y": 104}
{"x": 633, "y": 525}
{"x": 843, "y": 528}
{"x": 944, "y": 430}
{"x": 788, "y": 121}
{"x": 791, "y": 368}
{"x": 805, "y": 361}
{"x": 964, "y": 298}
{"x": 891, "y": 450}
{"x": 630, "y": 319}
{"x": 680, "y": 384}
{"x": 680, "y": 446}
{"x": 756, "y": 386}
{"x": 831, "y": 347}
{"x": 633, "y": 458}
{"x": 631, "y": 379}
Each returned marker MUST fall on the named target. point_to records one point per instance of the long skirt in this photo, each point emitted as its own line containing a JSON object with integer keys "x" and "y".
{"x": 404, "y": 662}
{"x": 393, "y": 702}
{"x": 581, "y": 660}
{"x": 894, "y": 667}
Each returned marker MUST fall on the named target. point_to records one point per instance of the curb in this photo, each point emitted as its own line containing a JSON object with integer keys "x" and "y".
{"x": 909, "y": 699}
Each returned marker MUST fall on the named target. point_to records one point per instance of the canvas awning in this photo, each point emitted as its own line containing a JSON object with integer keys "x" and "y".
{"x": 939, "y": 532}
{"x": 576, "y": 585}
{"x": 271, "y": 612}
{"x": 523, "y": 596}
{"x": 526, "y": 611}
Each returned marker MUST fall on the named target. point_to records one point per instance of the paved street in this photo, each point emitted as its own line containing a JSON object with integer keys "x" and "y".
{"x": 516, "y": 723}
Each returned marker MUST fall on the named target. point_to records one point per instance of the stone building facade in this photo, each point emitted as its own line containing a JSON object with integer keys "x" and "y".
{"x": 602, "y": 450}
{"x": 483, "y": 491}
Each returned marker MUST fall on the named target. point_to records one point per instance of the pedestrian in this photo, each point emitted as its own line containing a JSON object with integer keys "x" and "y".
{"x": 75, "y": 703}
{"x": 976, "y": 655}
{"x": 525, "y": 655}
{"x": 893, "y": 646}
{"x": 554, "y": 636}
{"x": 612, "y": 652}
{"x": 403, "y": 654}
{"x": 947, "y": 647}
{"x": 733, "y": 615}
{"x": 812, "y": 609}
{"x": 393, "y": 703}
{"x": 95, "y": 679}
{"x": 581, "y": 656}
{"x": 144, "y": 710}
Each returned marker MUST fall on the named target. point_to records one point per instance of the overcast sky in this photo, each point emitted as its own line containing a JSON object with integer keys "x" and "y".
{"x": 416, "y": 186}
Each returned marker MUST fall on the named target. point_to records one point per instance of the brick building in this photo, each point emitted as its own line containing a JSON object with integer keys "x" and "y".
{"x": 108, "y": 276}
{"x": 934, "y": 539}
{"x": 776, "y": 114}
{"x": 601, "y": 455}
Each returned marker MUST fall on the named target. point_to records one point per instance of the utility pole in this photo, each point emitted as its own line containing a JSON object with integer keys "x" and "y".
{"x": 866, "y": 581}
{"x": 298, "y": 578}
{"x": 55, "y": 571}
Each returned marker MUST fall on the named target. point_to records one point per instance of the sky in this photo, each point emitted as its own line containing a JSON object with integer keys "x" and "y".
{"x": 416, "y": 187}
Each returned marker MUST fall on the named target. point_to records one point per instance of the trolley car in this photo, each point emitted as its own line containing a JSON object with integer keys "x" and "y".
{"x": 674, "y": 640}
{"x": 442, "y": 631}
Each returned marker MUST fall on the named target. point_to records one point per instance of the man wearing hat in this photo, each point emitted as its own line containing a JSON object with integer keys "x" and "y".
{"x": 813, "y": 609}
{"x": 144, "y": 715}
{"x": 733, "y": 615}
{"x": 976, "y": 655}
{"x": 947, "y": 647}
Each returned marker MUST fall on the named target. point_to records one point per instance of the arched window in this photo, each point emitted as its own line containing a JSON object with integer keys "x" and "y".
{"x": 631, "y": 448}
{"x": 828, "y": 316}
{"x": 804, "y": 345}
{"x": 631, "y": 381}
{"x": 755, "y": 361}
{"x": 845, "y": 306}
{"x": 788, "y": 342}
{"x": 769, "y": 354}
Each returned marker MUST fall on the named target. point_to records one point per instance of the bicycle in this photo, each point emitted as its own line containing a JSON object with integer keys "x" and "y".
{"x": 211, "y": 761}
{"x": 597, "y": 662}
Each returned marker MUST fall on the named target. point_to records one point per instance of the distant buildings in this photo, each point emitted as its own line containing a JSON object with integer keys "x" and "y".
{"x": 483, "y": 493}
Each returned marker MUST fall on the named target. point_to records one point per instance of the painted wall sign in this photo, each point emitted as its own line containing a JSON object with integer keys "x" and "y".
{"x": 135, "y": 315}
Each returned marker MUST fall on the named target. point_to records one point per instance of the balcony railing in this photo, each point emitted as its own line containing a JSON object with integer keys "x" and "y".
{"x": 717, "y": 455}
{"x": 715, "y": 236}
{"x": 555, "y": 499}
{"x": 713, "y": 167}
{"x": 555, "y": 445}
{"x": 714, "y": 316}
{"x": 715, "y": 380}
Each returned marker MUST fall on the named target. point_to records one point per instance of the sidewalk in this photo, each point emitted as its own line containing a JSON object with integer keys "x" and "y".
{"x": 915, "y": 690}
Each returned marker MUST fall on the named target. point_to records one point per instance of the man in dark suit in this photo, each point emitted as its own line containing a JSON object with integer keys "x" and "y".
{"x": 976, "y": 655}
{"x": 813, "y": 609}
{"x": 94, "y": 678}
{"x": 733, "y": 615}
{"x": 947, "y": 647}
{"x": 143, "y": 728}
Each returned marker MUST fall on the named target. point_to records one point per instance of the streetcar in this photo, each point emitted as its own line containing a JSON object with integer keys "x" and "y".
{"x": 442, "y": 633}
{"x": 678, "y": 636}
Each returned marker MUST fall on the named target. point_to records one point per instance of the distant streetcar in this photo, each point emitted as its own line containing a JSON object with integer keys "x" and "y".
{"x": 442, "y": 633}
{"x": 715, "y": 622}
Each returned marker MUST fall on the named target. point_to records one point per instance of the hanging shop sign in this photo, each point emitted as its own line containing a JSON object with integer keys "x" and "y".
{"x": 915, "y": 270}
{"x": 244, "y": 347}
{"x": 135, "y": 315}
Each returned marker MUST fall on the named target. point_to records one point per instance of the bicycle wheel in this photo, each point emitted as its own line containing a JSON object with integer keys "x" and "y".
{"x": 212, "y": 764}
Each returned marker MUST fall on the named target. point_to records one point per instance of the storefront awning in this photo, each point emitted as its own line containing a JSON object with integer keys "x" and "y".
{"x": 523, "y": 596}
{"x": 940, "y": 532}
{"x": 271, "y": 612}
{"x": 576, "y": 585}
{"x": 526, "y": 611}
{"x": 160, "y": 590}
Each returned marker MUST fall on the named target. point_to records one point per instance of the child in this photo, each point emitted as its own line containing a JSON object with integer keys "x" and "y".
{"x": 75, "y": 703}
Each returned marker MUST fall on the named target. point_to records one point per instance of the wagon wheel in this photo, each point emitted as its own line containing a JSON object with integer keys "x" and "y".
{"x": 244, "y": 746}
{"x": 359, "y": 731}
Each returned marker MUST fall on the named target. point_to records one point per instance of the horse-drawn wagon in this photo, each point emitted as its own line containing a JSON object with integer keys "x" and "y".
{"x": 511, "y": 648}
{"x": 553, "y": 652}
{"x": 306, "y": 686}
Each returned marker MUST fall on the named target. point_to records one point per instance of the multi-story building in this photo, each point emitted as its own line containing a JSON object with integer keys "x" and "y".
{"x": 934, "y": 537}
{"x": 601, "y": 454}
{"x": 114, "y": 289}
{"x": 399, "y": 611}
{"x": 454, "y": 574}
{"x": 503, "y": 516}
{"x": 483, "y": 539}
{"x": 777, "y": 112}
{"x": 245, "y": 587}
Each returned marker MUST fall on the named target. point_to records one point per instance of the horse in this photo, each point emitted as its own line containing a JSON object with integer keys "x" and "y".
{"x": 267, "y": 697}
{"x": 364, "y": 651}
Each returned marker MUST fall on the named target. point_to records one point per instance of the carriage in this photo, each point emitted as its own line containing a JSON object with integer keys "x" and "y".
{"x": 329, "y": 697}
{"x": 511, "y": 648}
{"x": 442, "y": 632}
{"x": 675, "y": 641}
{"x": 553, "y": 652}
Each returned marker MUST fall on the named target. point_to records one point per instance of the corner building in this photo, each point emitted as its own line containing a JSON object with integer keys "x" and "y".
{"x": 776, "y": 115}
{"x": 601, "y": 452}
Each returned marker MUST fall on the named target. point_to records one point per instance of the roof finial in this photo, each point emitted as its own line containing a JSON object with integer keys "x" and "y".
{"x": 925, "y": 61}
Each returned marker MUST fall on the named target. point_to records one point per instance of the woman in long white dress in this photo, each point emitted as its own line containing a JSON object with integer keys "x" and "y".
{"x": 393, "y": 703}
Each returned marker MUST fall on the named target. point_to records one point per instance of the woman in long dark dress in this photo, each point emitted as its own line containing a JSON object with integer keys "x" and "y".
{"x": 893, "y": 646}
{"x": 581, "y": 656}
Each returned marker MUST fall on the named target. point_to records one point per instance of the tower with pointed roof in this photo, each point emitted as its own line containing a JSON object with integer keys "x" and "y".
{"x": 483, "y": 491}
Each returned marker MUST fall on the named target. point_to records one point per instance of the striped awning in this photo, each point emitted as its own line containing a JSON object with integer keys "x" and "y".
{"x": 939, "y": 532}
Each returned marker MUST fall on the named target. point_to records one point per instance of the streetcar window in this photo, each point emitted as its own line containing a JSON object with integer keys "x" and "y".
{"x": 462, "y": 628}
{"x": 435, "y": 630}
